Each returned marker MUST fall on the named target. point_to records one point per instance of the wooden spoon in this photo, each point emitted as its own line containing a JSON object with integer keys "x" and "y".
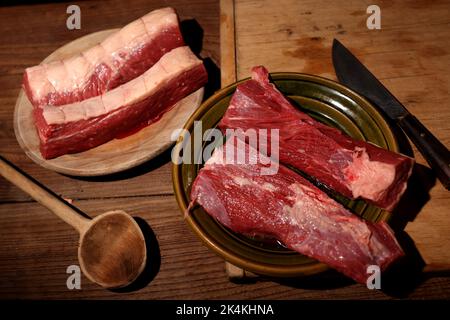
{"x": 111, "y": 251}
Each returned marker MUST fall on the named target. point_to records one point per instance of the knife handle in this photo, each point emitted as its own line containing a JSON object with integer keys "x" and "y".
{"x": 436, "y": 154}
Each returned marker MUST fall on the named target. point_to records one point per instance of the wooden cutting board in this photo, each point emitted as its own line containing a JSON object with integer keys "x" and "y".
{"x": 116, "y": 155}
{"x": 409, "y": 54}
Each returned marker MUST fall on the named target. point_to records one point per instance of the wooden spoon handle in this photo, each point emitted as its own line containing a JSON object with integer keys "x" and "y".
{"x": 45, "y": 197}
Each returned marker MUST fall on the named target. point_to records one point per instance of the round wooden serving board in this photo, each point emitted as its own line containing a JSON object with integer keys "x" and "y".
{"x": 115, "y": 155}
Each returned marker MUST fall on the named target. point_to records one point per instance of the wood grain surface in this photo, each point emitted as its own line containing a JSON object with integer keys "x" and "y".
{"x": 36, "y": 247}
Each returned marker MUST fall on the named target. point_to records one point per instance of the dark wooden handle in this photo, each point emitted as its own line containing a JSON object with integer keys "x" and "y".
{"x": 437, "y": 155}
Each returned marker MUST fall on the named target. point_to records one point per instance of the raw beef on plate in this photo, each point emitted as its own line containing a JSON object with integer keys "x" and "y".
{"x": 83, "y": 125}
{"x": 121, "y": 57}
{"x": 289, "y": 208}
{"x": 351, "y": 167}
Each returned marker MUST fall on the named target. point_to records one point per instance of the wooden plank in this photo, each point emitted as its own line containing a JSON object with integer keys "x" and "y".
{"x": 228, "y": 76}
{"x": 227, "y": 43}
{"x": 152, "y": 178}
{"x": 36, "y": 248}
{"x": 409, "y": 54}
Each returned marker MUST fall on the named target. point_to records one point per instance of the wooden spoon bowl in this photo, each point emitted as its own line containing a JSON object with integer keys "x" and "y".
{"x": 112, "y": 250}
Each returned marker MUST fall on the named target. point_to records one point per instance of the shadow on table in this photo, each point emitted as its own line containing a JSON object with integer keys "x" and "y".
{"x": 415, "y": 197}
{"x": 141, "y": 169}
{"x": 327, "y": 280}
{"x": 153, "y": 262}
{"x": 403, "y": 277}
{"x": 398, "y": 282}
{"x": 419, "y": 184}
{"x": 193, "y": 37}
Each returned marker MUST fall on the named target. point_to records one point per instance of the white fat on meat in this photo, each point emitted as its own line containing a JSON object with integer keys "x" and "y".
{"x": 38, "y": 81}
{"x": 64, "y": 75}
{"x": 242, "y": 182}
{"x": 366, "y": 178}
{"x": 131, "y": 37}
{"x": 168, "y": 67}
{"x": 77, "y": 68}
{"x": 57, "y": 76}
{"x": 135, "y": 32}
{"x": 95, "y": 56}
{"x": 309, "y": 205}
{"x": 156, "y": 18}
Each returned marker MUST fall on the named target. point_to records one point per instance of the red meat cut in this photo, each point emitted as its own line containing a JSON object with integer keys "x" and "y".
{"x": 351, "y": 167}
{"x": 289, "y": 208}
{"x": 122, "y": 56}
{"x": 83, "y": 125}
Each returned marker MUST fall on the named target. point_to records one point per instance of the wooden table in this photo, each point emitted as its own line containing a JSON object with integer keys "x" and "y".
{"x": 36, "y": 247}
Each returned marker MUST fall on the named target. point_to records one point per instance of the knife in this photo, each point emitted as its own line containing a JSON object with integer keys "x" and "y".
{"x": 351, "y": 72}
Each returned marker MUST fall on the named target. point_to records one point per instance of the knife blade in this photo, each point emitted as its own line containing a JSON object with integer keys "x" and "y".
{"x": 351, "y": 72}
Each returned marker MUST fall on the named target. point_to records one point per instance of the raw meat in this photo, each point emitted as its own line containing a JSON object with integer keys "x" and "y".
{"x": 121, "y": 57}
{"x": 83, "y": 125}
{"x": 351, "y": 167}
{"x": 289, "y": 208}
